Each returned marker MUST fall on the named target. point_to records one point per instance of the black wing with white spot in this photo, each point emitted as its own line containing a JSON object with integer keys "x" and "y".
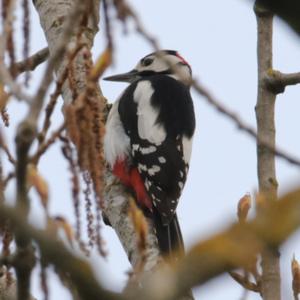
{"x": 158, "y": 116}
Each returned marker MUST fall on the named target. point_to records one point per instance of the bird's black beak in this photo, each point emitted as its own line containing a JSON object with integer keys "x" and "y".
{"x": 125, "y": 77}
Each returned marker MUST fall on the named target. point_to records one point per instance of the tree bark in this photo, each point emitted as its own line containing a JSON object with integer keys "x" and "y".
{"x": 265, "y": 107}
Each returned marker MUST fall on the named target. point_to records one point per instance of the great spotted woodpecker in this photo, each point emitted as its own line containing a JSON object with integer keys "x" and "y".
{"x": 148, "y": 138}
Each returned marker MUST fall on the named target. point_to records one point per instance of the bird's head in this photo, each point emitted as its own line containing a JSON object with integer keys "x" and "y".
{"x": 167, "y": 62}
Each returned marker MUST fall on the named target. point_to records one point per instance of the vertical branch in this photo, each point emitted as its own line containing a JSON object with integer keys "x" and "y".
{"x": 265, "y": 157}
{"x": 26, "y": 34}
{"x": 25, "y": 260}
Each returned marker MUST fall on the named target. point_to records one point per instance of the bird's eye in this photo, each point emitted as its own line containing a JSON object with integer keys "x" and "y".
{"x": 147, "y": 62}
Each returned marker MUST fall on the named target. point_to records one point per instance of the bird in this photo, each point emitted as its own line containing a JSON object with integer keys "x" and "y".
{"x": 148, "y": 139}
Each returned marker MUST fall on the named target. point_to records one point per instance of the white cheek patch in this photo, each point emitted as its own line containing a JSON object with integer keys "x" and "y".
{"x": 160, "y": 64}
{"x": 147, "y": 114}
{"x": 116, "y": 141}
{"x": 182, "y": 73}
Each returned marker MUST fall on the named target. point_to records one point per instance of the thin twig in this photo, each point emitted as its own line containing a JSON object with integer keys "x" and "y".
{"x": 70, "y": 156}
{"x": 245, "y": 282}
{"x": 31, "y": 62}
{"x": 26, "y": 35}
{"x": 53, "y": 99}
{"x": 108, "y": 31}
{"x": 5, "y": 148}
{"x": 45, "y": 146}
{"x": 124, "y": 11}
{"x": 5, "y": 116}
{"x": 278, "y": 81}
{"x": 14, "y": 88}
{"x": 8, "y": 177}
{"x": 5, "y": 77}
{"x": 9, "y": 31}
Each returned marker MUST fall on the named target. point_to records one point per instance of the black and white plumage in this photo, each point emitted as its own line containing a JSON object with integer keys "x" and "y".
{"x": 149, "y": 135}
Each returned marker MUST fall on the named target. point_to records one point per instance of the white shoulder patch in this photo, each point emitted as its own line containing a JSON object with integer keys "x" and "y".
{"x": 187, "y": 148}
{"x": 147, "y": 115}
{"x": 116, "y": 141}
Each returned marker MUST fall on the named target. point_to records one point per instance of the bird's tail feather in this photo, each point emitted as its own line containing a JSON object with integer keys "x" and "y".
{"x": 169, "y": 236}
{"x": 170, "y": 242}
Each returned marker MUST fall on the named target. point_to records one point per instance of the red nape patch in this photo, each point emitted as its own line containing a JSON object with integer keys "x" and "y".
{"x": 132, "y": 178}
{"x": 182, "y": 59}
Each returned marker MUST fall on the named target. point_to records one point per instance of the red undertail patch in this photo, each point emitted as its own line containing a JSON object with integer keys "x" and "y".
{"x": 132, "y": 178}
{"x": 121, "y": 171}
